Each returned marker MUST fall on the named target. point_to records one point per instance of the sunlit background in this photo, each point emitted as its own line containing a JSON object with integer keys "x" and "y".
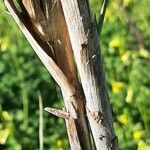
{"x": 125, "y": 45}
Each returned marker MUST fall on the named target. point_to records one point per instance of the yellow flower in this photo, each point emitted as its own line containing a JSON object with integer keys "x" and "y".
{"x": 117, "y": 86}
{"x": 116, "y": 43}
{"x": 144, "y": 53}
{"x": 114, "y": 5}
{"x": 4, "y": 43}
{"x": 6, "y": 116}
{"x": 109, "y": 15}
{"x": 129, "y": 95}
{"x": 126, "y": 2}
{"x": 123, "y": 119}
{"x": 143, "y": 146}
{"x": 137, "y": 134}
{"x": 4, "y": 135}
{"x": 59, "y": 144}
{"x": 125, "y": 57}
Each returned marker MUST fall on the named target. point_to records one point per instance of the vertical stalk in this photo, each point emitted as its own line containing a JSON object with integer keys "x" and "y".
{"x": 84, "y": 39}
{"x": 40, "y": 120}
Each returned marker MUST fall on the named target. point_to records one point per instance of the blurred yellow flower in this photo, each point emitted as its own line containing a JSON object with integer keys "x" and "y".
{"x": 129, "y": 95}
{"x": 116, "y": 43}
{"x": 115, "y": 5}
{"x": 109, "y": 15}
{"x": 4, "y": 135}
{"x": 126, "y": 2}
{"x": 137, "y": 134}
{"x": 144, "y": 53}
{"x": 4, "y": 43}
{"x": 59, "y": 144}
{"x": 125, "y": 57}
{"x": 117, "y": 86}
{"x": 6, "y": 116}
{"x": 123, "y": 119}
{"x": 143, "y": 146}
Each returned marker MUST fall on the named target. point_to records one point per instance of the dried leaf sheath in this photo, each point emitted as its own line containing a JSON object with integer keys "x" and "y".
{"x": 50, "y": 25}
{"x": 58, "y": 75}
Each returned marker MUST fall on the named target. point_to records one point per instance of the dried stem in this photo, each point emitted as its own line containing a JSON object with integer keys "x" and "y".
{"x": 85, "y": 44}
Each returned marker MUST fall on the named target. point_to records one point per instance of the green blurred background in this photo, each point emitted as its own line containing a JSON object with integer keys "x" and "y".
{"x": 125, "y": 45}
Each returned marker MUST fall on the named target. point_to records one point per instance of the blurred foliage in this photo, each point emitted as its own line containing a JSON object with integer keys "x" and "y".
{"x": 125, "y": 45}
